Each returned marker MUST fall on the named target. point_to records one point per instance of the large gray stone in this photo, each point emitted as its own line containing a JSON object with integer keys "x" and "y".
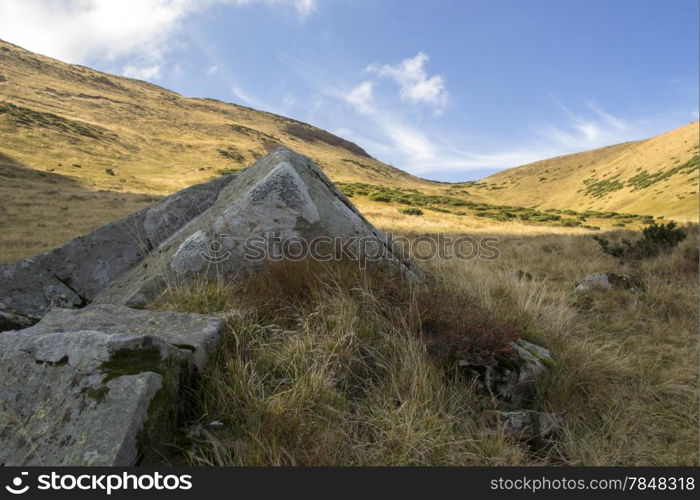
{"x": 71, "y": 275}
{"x": 196, "y": 334}
{"x": 283, "y": 197}
{"x": 84, "y": 397}
{"x": 205, "y": 230}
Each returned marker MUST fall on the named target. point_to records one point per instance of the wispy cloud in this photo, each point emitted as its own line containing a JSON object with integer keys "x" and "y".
{"x": 248, "y": 99}
{"x": 414, "y": 83}
{"x": 138, "y": 32}
{"x": 142, "y": 73}
{"x": 361, "y": 98}
{"x": 426, "y": 150}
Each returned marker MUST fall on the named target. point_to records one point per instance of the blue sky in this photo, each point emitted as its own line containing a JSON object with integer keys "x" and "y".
{"x": 446, "y": 89}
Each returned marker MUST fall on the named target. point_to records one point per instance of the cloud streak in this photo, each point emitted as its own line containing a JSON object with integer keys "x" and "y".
{"x": 111, "y": 31}
{"x": 423, "y": 152}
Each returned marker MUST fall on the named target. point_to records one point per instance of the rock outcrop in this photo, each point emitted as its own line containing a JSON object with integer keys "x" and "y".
{"x": 87, "y": 380}
{"x": 283, "y": 206}
{"x": 225, "y": 227}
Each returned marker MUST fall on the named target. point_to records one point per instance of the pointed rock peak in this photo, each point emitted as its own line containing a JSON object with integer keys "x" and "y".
{"x": 281, "y": 207}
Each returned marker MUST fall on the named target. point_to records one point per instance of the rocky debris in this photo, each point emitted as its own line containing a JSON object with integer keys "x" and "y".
{"x": 609, "y": 281}
{"x": 195, "y": 334}
{"x": 84, "y": 397}
{"x": 536, "y": 428}
{"x": 73, "y": 274}
{"x": 512, "y": 376}
{"x": 282, "y": 198}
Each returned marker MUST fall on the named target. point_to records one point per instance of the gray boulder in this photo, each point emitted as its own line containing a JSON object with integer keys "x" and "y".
{"x": 609, "y": 281}
{"x": 224, "y": 228}
{"x": 513, "y": 376}
{"x": 84, "y": 397}
{"x": 282, "y": 201}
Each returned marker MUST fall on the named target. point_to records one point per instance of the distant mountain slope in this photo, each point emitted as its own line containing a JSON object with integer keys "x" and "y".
{"x": 657, "y": 176}
{"x": 120, "y": 134}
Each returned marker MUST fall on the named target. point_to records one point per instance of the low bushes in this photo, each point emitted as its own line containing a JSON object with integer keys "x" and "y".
{"x": 656, "y": 238}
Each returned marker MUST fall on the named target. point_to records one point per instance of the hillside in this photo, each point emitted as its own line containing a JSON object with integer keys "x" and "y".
{"x": 79, "y": 148}
{"x": 78, "y": 122}
{"x": 656, "y": 176}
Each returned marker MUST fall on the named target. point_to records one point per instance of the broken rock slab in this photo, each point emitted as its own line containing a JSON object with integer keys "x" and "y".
{"x": 84, "y": 397}
{"x": 196, "y": 334}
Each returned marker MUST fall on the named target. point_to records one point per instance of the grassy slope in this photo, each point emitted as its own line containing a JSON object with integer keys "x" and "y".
{"x": 604, "y": 179}
{"x": 111, "y": 145}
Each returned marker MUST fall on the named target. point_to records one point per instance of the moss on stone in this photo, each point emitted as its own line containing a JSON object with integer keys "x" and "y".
{"x": 131, "y": 362}
{"x": 97, "y": 393}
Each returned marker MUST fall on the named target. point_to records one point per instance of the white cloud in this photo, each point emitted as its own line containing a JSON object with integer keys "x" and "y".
{"x": 362, "y": 98}
{"x": 136, "y": 32}
{"x": 142, "y": 73}
{"x": 212, "y": 70}
{"x": 415, "y": 84}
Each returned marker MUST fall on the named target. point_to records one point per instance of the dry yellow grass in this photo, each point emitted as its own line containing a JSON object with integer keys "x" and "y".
{"x": 330, "y": 371}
